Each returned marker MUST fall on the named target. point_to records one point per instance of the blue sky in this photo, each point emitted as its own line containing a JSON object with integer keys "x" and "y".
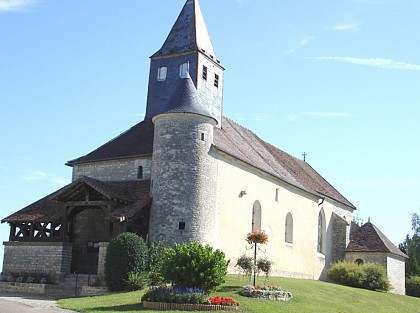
{"x": 338, "y": 80}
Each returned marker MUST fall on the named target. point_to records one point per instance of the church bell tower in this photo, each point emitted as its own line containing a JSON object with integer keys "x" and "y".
{"x": 187, "y": 51}
{"x": 185, "y": 105}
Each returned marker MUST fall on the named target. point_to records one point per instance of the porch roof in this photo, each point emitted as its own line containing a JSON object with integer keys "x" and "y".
{"x": 129, "y": 198}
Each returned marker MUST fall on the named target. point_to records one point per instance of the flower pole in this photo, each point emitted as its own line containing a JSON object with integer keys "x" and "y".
{"x": 256, "y": 237}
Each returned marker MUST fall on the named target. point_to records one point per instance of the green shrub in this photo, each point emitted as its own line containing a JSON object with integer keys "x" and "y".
{"x": 175, "y": 295}
{"x": 126, "y": 253}
{"x": 136, "y": 281}
{"x": 245, "y": 264}
{"x": 194, "y": 265}
{"x": 412, "y": 286}
{"x": 156, "y": 257}
{"x": 370, "y": 276}
{"x": 375, "y": 277}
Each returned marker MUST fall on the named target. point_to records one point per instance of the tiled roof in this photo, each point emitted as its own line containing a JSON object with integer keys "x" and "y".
{"x": 243, "y": 144}
{"x": 369, "y": 238}
{"x": 130, "y": 198}
{"x": 137, "y": 141}
{"x": 234, "y": 140}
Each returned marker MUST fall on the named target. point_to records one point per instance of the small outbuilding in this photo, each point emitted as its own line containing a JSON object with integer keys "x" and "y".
{"x": 369, "y": 244}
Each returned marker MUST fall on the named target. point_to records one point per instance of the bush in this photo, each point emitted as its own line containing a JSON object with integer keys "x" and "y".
{"x": 156, "y": 257}
{"x": 126, "y": 253}
{"x": 194, "y": 265}
{"x": 375, "y": 277}
{"x": 175, "y": 295}
{"x": 370, "y": 276}
{"x": 412, "y": 286}
{"x": 136, "y": 281}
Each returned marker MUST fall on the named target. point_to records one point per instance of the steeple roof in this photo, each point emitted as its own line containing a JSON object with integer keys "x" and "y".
{"x": 189, "y": 33}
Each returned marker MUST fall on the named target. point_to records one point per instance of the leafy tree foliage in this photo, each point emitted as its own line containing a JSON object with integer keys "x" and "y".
{"x": 127, "y": 253}
{"x": 411, "y": 247}
{"x": 194, "y": 265}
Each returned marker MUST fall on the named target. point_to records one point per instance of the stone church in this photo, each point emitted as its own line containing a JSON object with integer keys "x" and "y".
{"x": 184, "y": 173}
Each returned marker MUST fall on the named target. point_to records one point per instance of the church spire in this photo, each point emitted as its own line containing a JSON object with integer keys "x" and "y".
{"x": 189, "y": 33}
{"x": 187, "y": 51}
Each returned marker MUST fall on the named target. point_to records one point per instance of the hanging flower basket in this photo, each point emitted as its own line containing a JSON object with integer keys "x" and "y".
{"x": 257, "y": 236}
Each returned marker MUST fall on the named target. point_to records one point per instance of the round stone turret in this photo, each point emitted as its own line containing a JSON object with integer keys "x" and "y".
{"x": 184, "y": 174}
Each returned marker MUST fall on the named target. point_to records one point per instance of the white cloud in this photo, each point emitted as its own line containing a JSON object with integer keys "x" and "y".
{"x": 346, "y": 27}
{"x": 35, "y": 176}
{"x": 38, "y": 176}
{"x": 374, "y": 62}
{"x": 260, "y": 117}
{"x": 15, "y": 5}
{"x": 326, "y": 114}
{"x": 315, "y": 114}
{"x": 303, "y": 42}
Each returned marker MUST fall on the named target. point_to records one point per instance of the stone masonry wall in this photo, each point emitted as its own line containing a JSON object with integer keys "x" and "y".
{"x": 396, "y": 274}
{"x": 339, "y": 238}
{"x": 184, "y": 178}
{"x": 114, "y": 170}
{"x": 37, "y": 257}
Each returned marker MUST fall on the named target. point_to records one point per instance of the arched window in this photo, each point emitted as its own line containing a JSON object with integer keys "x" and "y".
{"x": 256, "y": 216}
{"x": 162, "y": 73}
{"x": 321, "y": 232}
{"x": 288, "y": 237}
{"x": 359, "y": 262}
{"x": 184, "y": 70}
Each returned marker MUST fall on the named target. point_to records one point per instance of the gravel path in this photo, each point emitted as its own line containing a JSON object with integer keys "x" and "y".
{"x": 36, "y": 303}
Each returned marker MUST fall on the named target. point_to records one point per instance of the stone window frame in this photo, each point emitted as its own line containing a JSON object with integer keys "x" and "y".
{"x": 288, "y": 228}
{"x": 256, "y": 216}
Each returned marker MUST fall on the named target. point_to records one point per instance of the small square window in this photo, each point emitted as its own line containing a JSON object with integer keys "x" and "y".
{"x": 181, "y": 225}
{"x": 216, "y": 80}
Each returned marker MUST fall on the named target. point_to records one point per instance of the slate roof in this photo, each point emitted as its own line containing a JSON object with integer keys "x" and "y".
{"x": 369, "y": 238}
{"x": 185, "y": 99}
{"x": 189, "y": 33}
{"x": 130, "y": 198}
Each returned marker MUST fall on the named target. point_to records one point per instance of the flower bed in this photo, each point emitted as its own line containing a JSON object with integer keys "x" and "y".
{"x": 186, "y": 307}
{"x": 186, "y": 299}
{"x": 266, "y": 292}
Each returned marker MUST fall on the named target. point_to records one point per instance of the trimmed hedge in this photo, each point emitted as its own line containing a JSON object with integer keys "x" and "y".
{"x": 127, "y": 253}
{"x": 371, "y": 276}
{"x": 412, "y": 286}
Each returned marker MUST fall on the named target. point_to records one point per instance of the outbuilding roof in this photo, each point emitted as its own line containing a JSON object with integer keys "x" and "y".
{"x": 368, "y": 238}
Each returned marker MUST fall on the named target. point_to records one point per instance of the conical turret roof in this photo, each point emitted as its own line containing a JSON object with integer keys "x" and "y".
{"x": 185, "y": 99}
{"x": 189, "y": 33}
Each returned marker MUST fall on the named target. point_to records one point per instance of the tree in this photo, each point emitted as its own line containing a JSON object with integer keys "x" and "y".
{"x": 411, "y": 247}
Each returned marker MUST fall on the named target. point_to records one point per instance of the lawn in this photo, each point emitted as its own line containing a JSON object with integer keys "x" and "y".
{"x": 309, "y": 296}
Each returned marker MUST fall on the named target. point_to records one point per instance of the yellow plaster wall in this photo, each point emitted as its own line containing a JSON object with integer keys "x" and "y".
{"x": 299, "y": 259}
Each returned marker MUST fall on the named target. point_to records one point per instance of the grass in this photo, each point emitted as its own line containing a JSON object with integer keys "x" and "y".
{"x": 309, "y": 296}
